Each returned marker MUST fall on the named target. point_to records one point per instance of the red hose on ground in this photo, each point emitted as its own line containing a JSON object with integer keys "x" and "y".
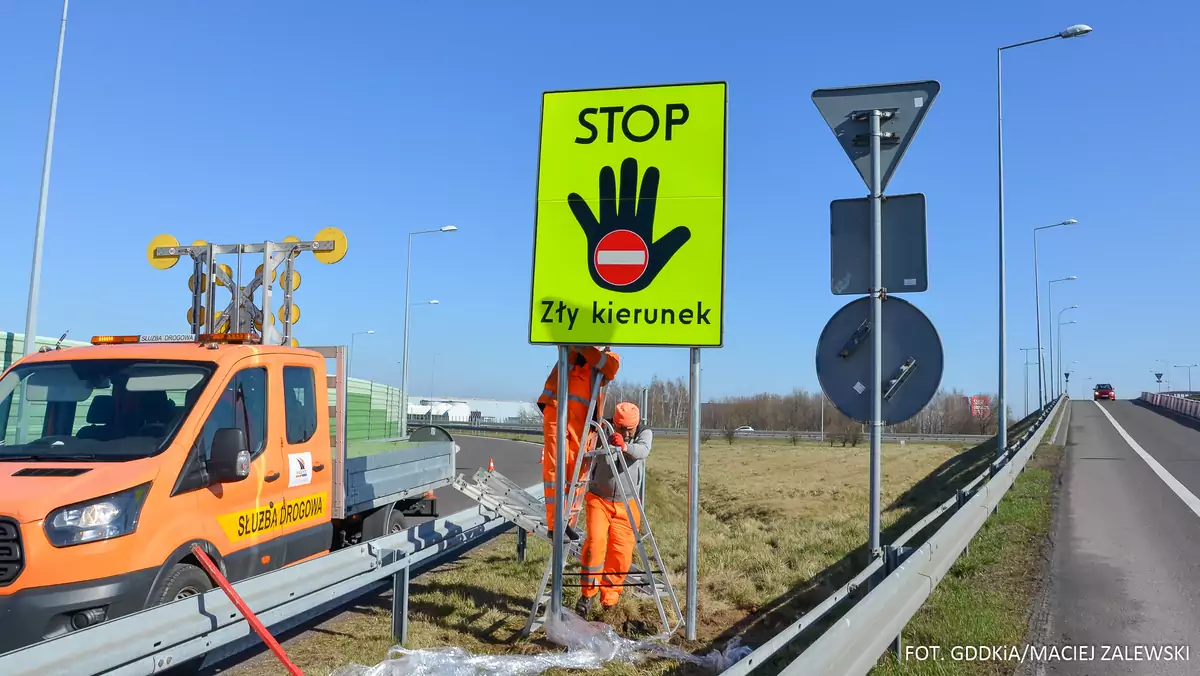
{"x": 214, "y": 573}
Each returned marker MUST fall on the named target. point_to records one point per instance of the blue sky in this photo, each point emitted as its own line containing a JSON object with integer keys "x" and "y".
{"x": 247, "y": 121}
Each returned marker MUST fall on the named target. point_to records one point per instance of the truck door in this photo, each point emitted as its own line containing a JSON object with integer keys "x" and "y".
{"x": 302, "y": 396}
{"x": 242, "y": 517}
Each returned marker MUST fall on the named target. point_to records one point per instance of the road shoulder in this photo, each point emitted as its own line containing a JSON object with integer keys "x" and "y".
{"x": 1040, "y": 629}
{"x": 986, "y": 597}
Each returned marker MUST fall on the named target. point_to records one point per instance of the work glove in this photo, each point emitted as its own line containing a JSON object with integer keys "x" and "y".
{"x": 618, "y": 441}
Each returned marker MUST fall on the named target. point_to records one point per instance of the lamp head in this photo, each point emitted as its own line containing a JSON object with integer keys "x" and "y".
{"x": 1069, "y": 221}
{"x": 1075, "y": 31}
{"x": 449, "y": 228}
{"x": 434, "y": 302}
{"x": 1072, "y": 278}
{"x": 1073, "y": 307}
{"x": 369, "y": 332}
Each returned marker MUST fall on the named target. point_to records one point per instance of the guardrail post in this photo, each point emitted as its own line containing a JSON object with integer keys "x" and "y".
{"x": 894, "y": 556}
{"x": 962, "y": 497}
{"x": 522, "y": 542}
{"x": 400, "y": 606}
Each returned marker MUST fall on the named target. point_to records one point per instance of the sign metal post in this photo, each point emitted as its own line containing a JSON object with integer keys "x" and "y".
{"x": 633, "y": 178}
{"x": 857, "y": 116}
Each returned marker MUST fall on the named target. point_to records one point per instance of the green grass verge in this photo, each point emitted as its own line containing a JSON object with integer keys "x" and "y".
{"x": 986, "y": 597}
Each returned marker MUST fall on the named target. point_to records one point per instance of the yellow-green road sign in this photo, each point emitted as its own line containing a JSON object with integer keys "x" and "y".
{"x": 629, "y": 237}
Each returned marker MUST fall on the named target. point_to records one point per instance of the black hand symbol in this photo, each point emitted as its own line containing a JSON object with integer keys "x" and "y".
{"x": 629, "y": 214}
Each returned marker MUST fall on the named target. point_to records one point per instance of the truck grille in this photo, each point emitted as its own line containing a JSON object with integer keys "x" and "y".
{"x": 12, "y": 558}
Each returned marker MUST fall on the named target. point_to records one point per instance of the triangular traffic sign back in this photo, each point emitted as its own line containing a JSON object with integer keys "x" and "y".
{"x": 1159, "y": 376}
{"x": 908, "y": 102}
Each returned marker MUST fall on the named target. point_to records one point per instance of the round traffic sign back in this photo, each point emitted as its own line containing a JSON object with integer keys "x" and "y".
{"x": 621, "y": 257}
{"x": 844, "y": 360}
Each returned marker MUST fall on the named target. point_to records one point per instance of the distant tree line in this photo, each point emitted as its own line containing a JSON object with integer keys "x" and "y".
{"x": 667, "y": 407}
{"x": 948, "y": 413}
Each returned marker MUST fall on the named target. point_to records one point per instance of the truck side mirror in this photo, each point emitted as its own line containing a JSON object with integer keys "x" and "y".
{"x": 230, "y": 459}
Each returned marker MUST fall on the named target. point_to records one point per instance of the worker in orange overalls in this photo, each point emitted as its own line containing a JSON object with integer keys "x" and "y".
{"x": 583, "y": 360}
{"x": 579, "y": 391}
{"x": 610, "y": 541}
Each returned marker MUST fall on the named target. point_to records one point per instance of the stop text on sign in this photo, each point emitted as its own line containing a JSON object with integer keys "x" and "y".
{"x": 640, "y": 116}
{"x": 629, "y": 235}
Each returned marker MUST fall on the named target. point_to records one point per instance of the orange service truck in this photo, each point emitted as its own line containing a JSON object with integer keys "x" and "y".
{"x": 117, "y": 457}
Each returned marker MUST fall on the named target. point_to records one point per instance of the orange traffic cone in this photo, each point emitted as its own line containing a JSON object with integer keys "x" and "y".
{"x": 491, "y": 465}
{"x": 542, "y": 457}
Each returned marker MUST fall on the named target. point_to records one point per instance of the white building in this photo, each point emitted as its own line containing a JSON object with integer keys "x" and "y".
{"x": 470, "y": 409}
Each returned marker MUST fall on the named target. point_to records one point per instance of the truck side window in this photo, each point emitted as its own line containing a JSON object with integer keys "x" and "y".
{"x": 299, "y": 403}
{"x": 242, "y": 404}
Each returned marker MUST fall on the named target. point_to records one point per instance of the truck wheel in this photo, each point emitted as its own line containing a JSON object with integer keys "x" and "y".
{"x": 396, "y": 522}
{"x": 384, "y": 521}
{"x": 182, "y": 581}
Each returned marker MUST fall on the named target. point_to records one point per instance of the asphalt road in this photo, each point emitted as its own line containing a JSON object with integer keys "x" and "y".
{"x": 517, "y": 460}
{"x": 1125, "y": 569}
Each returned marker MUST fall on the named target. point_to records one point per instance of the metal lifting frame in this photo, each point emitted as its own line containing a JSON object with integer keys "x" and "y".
{"x": 205, "y": 273}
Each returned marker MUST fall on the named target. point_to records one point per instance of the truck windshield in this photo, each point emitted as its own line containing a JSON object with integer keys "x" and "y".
{"x": 96, "y": 409}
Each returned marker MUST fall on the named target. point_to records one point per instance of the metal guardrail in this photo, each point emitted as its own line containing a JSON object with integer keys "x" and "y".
{"x": 853, "y": 645}
{"x": 764, "y": 434}
{"x": 150, "y": 641}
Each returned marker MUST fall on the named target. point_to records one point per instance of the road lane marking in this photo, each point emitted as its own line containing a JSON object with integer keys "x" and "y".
{"x": 1184, "y": 494}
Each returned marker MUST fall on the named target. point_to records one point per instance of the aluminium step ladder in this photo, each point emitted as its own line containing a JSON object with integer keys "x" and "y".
{"x": 502, "y": 496}
{"x": 647, "y": 572}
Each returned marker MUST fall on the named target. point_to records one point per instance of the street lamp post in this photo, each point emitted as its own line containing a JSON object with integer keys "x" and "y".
{"x": 1026, "y": 350}
{"x": 39, "y": 233}
{"x": 1037, "y": 299}
{"x": 1071, "y": 32}
{"x": 404, "y": 382}
{"x": 432, "y": 380}
{"x": 1050, "y": 327}
{"x": 1189, "y": 367}
{"x": 1058, "y": 377}
{"x": 407, "y": 304}
{"x": 350, "y": 357}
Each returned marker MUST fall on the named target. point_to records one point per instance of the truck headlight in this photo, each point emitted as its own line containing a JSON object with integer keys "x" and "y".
{"x": 102, "y": 518}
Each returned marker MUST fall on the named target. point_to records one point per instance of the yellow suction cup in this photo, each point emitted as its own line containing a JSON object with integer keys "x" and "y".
{"x": 340, "y": 244}
{"x": 162, "y": 262}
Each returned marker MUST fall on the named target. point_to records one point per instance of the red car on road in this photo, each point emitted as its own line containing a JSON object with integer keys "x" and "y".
{"x": 1104, "y": 391}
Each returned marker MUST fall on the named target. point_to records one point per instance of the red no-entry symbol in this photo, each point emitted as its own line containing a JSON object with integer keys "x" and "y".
{"x": 621, "y": 257}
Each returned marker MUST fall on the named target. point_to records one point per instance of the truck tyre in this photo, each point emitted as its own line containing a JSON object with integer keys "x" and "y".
{"x": 384, "y": 521}
{"x": 182, "y": 581}
{"x": 396, "y": 522}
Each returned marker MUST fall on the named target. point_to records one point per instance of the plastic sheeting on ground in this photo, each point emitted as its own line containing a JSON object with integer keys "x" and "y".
{"x": 589, "y": 645}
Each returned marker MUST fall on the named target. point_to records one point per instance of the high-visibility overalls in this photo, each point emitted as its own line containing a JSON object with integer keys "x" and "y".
{"x": 579, "y": 391}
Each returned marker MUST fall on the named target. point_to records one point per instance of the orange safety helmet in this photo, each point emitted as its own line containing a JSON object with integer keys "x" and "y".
{"x": 627, "y": 415}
